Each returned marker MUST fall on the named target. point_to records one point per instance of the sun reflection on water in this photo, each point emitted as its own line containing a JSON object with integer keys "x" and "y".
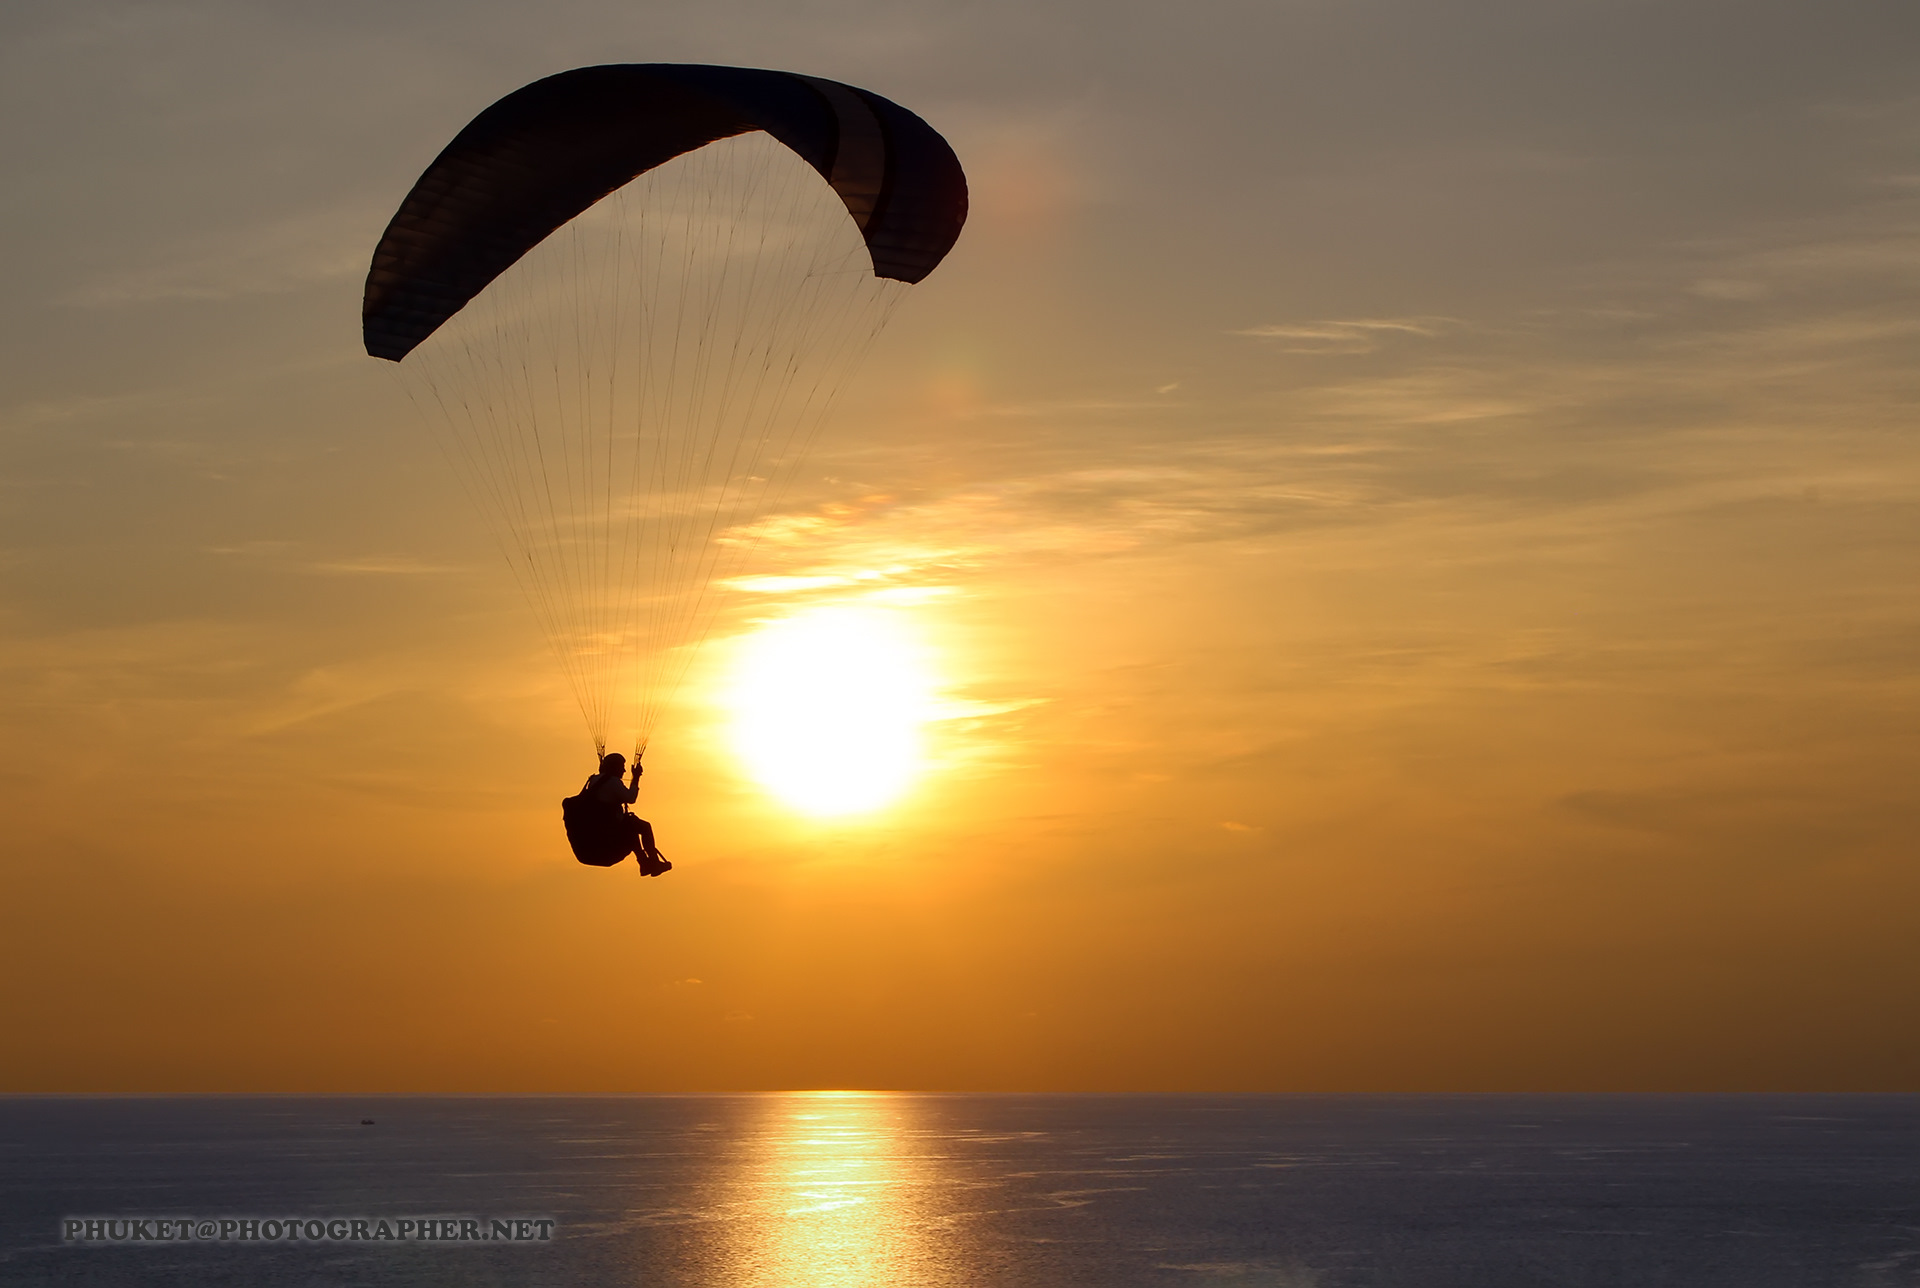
{"x": 837, "y": 1199}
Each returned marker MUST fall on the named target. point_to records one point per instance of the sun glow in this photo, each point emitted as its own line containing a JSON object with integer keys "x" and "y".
{"x": 828, "y": 708}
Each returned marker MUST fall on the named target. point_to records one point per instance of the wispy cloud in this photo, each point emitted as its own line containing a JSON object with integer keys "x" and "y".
{"x": 284, "y": 255}
{"x": 380, "y": 566}
{"x": 1355, "y": 335}
{"x": 1698, "y": 379}
{"x": 294, "y": 556}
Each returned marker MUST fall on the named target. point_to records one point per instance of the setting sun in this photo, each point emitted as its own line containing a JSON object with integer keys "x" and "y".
{"x": 828, "y": 707}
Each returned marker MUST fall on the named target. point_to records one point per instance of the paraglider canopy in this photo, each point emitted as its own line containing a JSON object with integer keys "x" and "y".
{"x": 627, "y": 297}
{"x": 545, "y": 153}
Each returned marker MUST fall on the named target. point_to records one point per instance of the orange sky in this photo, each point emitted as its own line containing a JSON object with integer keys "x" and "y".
{"x": 1414, "y": 514}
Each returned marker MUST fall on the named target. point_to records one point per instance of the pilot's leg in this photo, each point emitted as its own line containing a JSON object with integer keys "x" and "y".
{"x": 647, "y": 852}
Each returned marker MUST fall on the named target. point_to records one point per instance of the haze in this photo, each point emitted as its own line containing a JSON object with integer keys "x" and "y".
{"x": 1410, "y": 509}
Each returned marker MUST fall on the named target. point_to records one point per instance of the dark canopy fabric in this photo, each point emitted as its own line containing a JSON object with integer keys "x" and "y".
{"x": 546, "y": 152}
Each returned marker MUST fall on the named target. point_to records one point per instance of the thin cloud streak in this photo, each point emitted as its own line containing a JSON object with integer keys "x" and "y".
{"x": 1359, "y": 335}
{"x": 288, "y": 254}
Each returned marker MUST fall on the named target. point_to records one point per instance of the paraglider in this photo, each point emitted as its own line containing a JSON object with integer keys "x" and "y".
{"x": 625, "y": 299}
{"x": 602, "y": 830}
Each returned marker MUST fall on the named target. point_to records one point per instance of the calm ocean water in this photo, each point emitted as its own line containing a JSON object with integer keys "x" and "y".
{"x": 833, "y": 1191}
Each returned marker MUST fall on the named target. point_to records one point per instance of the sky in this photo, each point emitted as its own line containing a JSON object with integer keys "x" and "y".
{"x": 1411, "y": 509}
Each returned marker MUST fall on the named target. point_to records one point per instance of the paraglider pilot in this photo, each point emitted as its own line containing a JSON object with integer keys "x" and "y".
{"x": 601, "y": 829}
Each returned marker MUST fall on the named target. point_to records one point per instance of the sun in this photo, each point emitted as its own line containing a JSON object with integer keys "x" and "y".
{"x": 828, "y": 707}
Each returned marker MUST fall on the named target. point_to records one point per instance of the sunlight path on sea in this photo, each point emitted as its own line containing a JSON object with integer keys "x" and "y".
{"x": 830, "y": 1195}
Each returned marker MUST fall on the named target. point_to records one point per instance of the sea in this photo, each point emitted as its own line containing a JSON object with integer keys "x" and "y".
{"x": 899, "y": 1190}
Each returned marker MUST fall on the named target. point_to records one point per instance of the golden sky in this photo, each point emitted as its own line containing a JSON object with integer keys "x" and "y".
{"x": 1409, "y": 511}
